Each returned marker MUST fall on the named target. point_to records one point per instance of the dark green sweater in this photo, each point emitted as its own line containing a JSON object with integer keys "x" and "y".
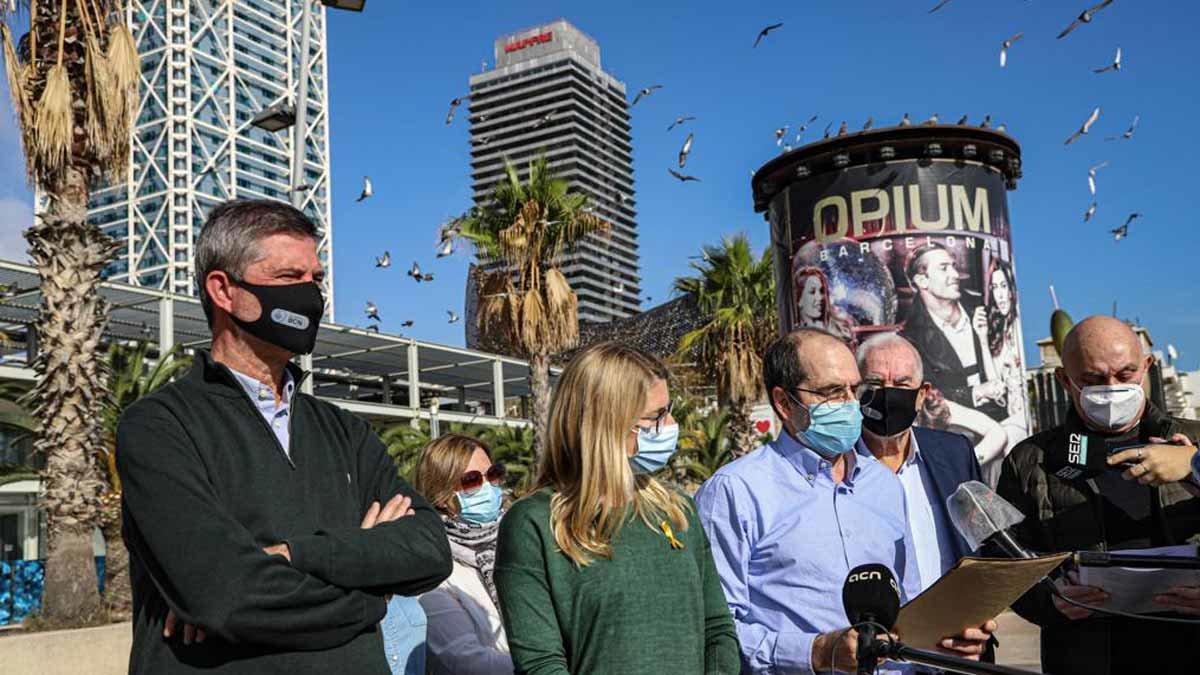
{"x": 650, "y": 609}
{"x": 206, "y": 486}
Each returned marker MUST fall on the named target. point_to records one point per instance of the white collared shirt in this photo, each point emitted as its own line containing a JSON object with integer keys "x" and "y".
{"x": 263, "y": 397}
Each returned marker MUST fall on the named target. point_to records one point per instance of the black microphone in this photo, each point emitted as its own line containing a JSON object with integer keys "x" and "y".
{"x": 983, "y": 517}
{"x": 871, "y": 598}
{"x": 1086, "y": 456}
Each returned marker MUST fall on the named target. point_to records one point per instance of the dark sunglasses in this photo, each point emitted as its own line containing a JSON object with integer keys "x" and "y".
{"x": 473, "y": 480}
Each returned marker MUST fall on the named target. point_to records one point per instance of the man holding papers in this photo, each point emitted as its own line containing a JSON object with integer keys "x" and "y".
{"x": 1104, "y": 370}
{"x": 789, "y": 521}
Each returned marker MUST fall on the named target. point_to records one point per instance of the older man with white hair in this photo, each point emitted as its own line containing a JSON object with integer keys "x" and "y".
{"x": 930, "y": 464}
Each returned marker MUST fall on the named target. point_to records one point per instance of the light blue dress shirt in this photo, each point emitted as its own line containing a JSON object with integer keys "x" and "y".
{"x": 404, "y": 631}
{"x": 263, "y": 397}
{"x": 931, "y": 537}
{"x": 1196, "y": 467}
{"x": 784, "y": 538}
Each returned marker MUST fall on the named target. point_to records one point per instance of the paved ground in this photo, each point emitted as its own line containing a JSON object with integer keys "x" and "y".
{"x": 1019, "y": 643}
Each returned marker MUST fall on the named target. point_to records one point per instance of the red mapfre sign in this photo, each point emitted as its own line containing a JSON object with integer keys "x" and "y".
{"x": 528, "y": 42}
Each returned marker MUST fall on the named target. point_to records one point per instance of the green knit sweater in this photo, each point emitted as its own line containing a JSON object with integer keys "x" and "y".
{"x": 652, "y": 608}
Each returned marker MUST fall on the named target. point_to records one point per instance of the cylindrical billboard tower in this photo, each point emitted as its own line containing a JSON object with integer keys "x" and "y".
{"x": 906, "y": 230}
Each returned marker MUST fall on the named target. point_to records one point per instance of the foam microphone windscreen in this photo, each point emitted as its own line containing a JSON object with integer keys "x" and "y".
{"x": 871, "y": 594}
{"x": 978, "y": 512}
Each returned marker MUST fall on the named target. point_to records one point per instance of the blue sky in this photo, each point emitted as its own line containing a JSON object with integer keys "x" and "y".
{"x": 395, "y": 68}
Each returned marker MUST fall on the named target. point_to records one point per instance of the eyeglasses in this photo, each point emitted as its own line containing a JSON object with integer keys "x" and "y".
{"x": 657, "y": 420}
{"x": 842, "y": 395}
{"x": 473, "y": 480}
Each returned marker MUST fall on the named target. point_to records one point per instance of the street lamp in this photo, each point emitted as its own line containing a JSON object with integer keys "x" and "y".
{"x": 275, "y": 118}
{"x": 350, "y": 5}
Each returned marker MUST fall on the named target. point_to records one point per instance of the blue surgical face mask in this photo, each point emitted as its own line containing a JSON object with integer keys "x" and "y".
{"x": 654, "y": 449}
{"x": 833, "y": 428}
{"x": 481, "y": 506}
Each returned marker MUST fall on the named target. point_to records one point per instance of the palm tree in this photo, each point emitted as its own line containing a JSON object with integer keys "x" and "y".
{"x": 73, "y": 83}
{"x": 736, "y": 291}
{"x": 704, "y": 446}
{"x": 404, "y": 442}
{"x": 520, "y": 236}
{"x": 513, "y": 446}
{"x": 129, "y": 380}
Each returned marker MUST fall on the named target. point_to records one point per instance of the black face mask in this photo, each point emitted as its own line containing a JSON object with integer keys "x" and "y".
{"x": 891, "y": 411}
{"x": 291, "y": 315}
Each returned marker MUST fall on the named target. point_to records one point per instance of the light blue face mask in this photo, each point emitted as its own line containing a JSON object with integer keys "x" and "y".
{"x": 481, "y": 506}
{"x": 833, "y": 428}
{"x": 654, "y": 450}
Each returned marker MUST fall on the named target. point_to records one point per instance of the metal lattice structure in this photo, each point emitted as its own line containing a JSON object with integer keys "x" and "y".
{"x": 208, "y": 67}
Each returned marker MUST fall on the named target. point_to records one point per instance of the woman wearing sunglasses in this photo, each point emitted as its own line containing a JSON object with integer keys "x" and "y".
{"x": 464, "y": 634}
{"x": 603, "y": 568}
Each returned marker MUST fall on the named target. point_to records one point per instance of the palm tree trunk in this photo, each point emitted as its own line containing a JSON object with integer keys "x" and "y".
{"x": 118, "y": 594}
{"x": 741, "y": 429}
{"x": 539, "y": 386}
{"x": 69, "y": 255}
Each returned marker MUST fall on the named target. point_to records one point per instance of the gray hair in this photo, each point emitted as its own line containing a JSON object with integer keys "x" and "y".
{"x": 228, "y": 242}
{"x": 888, "y": 340}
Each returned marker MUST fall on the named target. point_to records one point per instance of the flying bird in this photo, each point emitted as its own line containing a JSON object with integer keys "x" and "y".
{"x": 938, "y": 6}
{"x": 454, "y": 103}
{"x": 1123, "y": 231}
{"x": 1128, "y": 134}
{"x": 645, "y": 92}
{"x": 368, "y": 190}
{"x": 1114, "y": 66}
{"x": 384, "y": 260}
{"x": 683, "y": 178}
{"x": 683, "y": 152}
{"x": 678, "y": 121}
{"x": 543, "y": 120}
{"x": 804, "y": 127}
{"x": 763, "y": 33}
{"x": 452, "y": 316}
{"x": 780, "y": 133}
{"x": 1084, "y": 17}
{"x": 372, "y": 311}
{"x": 406, "y": 324}
{"x": 1004, "y": 47}
{"x": 1091, "y": 211}
{"x": 1087, "y": 126}
{"x": 373, "y": 328}
{"x": 445, "y": 248}
{"x": 1092, "y": 176}
{"x": 415, "y": 273}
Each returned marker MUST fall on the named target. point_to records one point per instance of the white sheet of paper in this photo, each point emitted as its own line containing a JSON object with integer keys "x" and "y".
{"x": 1133, "y": 590}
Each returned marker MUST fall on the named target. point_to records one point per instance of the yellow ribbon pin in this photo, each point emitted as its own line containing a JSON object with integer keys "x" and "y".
{"x": 675, "y": 543}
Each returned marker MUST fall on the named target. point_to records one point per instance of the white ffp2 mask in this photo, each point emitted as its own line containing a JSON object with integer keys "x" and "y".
{"x": 1112, "y": 406}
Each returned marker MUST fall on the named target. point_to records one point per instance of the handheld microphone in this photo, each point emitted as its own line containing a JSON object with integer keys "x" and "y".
{"x": 983, "y": 517}
{"x": 871, "y": 598}
{"x": 1086, "y": 456}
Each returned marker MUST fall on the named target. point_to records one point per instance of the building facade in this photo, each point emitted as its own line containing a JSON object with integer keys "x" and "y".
{"x": 548, "y": 95}
{"x": 208, "y": 67}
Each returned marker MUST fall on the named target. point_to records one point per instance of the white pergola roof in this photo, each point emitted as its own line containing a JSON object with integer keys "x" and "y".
{"x": 350, "y": 365}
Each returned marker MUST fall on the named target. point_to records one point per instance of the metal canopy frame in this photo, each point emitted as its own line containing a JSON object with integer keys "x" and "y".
{"x": 378, "y": 375}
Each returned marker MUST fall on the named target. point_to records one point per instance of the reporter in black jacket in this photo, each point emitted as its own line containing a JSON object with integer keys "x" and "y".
{"x": 261, "y": 520}
{"x": 1103, "y": 370}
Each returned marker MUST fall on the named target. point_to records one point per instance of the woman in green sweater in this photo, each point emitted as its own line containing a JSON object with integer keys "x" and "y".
{"x": 603, "y": 569}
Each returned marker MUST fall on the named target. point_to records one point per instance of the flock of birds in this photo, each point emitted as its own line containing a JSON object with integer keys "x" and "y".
{"x": 450, "y": 230}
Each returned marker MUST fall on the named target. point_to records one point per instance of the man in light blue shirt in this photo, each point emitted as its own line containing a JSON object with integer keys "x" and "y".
{"x": 788, "y": 523}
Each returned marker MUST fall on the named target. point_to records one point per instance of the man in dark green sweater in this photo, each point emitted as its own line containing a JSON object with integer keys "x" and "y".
{"x": 265, "y": 527}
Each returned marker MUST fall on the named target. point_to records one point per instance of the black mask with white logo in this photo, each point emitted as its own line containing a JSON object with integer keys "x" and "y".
{"x": 890, "y": 411}
{"x": 291, "y": 315}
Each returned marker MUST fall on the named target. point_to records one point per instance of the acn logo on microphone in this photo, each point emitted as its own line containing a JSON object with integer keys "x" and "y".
{"x": 872, "y": 575}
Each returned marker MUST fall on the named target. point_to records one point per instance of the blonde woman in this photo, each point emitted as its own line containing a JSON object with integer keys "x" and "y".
{"x": 603, "y": 568}
{"x": 464, "y": 633}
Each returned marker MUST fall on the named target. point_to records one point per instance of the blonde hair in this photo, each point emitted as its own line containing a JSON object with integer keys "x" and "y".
{"x": 438, "y": 476}
{"x": 598, "y": 400}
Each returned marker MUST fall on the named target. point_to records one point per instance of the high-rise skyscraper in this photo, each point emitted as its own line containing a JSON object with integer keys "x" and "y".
{"x": 208, "y": 67}
{"x": 549, "y": 95}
